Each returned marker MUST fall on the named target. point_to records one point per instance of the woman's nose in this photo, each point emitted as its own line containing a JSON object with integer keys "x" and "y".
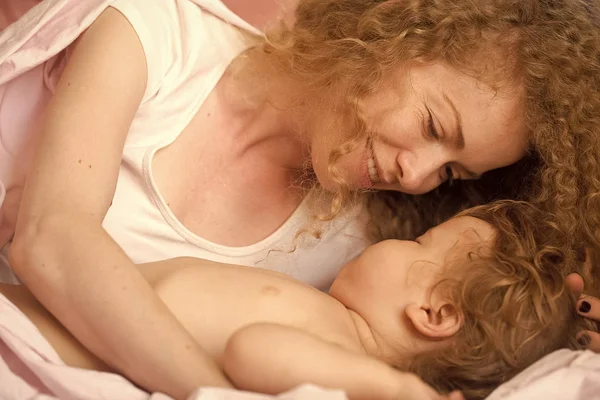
{"x": 419, "y": 171}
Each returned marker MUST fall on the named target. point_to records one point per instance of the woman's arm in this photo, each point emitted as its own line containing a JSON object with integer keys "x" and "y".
{"x": 269, "y": 358}
{"x": 60, "y": 249}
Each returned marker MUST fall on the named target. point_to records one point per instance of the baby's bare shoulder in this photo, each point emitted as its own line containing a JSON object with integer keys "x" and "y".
{"x": 175, "y": 269}
{"x": 334, "y": 324}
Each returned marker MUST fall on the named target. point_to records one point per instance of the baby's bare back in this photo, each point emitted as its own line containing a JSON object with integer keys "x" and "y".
{"x": 213, "y": 301}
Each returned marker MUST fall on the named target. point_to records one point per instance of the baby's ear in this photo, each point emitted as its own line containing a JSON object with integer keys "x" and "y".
{"x": 437, "y": 321}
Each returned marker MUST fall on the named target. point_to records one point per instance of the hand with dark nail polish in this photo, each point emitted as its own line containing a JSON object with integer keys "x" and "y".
{"x": 584, "y": 340}
{"x": 585, "y": 307}
{"x": 588, "y": 307}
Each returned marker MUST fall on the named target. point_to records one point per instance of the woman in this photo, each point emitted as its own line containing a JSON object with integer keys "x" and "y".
{"x": 206, "y": 140}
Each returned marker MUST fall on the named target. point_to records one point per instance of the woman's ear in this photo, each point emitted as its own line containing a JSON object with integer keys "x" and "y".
{"x": 436, "y": 322}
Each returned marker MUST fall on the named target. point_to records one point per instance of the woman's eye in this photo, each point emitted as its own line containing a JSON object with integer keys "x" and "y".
{"x": 431, "y": 131}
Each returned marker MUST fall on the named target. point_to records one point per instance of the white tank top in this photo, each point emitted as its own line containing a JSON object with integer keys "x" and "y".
{"x": 188, "y": 46}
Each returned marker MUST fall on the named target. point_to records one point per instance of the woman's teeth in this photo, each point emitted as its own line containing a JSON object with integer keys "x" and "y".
{"x": 373, "y": 175}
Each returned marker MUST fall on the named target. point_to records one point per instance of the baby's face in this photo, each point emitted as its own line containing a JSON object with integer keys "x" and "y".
{"x": 394, "y": 273}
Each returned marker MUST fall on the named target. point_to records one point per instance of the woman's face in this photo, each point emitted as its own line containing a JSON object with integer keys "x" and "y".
{"x": 430, "y": 124}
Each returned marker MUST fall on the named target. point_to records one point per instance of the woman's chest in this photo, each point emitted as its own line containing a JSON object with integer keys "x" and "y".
{"x": 218, "y": 190}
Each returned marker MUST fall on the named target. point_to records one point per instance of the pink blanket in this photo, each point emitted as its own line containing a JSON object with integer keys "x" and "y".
{"x": 562, "y": 375}
{"x": 46, "y": 27}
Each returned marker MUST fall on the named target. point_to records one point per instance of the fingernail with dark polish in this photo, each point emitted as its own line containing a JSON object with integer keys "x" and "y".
{"x": 584, "y": 340}
{"x": 585, "y": 307}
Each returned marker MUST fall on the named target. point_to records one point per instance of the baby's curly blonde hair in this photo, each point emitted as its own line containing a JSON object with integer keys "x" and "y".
{"x": 514, "y": 301}
{"x": 340, "y": 51}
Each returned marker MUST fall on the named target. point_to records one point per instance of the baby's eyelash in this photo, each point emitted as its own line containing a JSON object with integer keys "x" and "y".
{"x": 449, "y": 175}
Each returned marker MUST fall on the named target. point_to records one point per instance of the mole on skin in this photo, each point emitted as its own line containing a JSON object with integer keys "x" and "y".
{"x": 270, "y": 290}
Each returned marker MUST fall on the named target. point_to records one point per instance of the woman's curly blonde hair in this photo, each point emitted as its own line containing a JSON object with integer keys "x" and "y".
{"x": 514, "y": 301}
{"x": 339, "y": 51}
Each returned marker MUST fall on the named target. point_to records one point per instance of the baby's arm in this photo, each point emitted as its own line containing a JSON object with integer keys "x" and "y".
{"x": 270, "y": 358}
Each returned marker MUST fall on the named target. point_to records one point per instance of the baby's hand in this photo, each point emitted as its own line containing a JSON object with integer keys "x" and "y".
{"x": 413, "y": 388}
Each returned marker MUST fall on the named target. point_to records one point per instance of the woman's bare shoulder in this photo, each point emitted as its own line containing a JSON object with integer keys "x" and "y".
{"x": 262, "y": 13}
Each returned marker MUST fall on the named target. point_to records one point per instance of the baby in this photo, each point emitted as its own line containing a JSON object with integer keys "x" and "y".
{"x": 466, "y": 306}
